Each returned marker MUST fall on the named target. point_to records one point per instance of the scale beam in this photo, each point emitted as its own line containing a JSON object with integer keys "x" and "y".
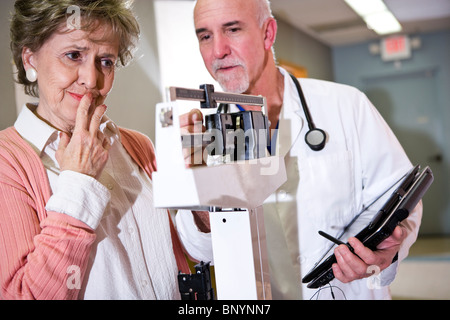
{"x": 201, "y": 95}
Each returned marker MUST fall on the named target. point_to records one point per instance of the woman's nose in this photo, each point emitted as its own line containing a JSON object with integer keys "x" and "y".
{"x": 89, "y": 75}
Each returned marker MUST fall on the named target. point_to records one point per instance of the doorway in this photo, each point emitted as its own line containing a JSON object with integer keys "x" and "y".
{"x": 408, "y": 102}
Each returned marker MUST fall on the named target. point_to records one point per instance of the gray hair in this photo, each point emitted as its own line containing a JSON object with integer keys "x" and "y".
{"x": 264, "y": 11}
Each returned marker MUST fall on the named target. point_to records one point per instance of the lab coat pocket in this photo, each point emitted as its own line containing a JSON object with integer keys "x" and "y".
{"x": 327, "y": 190}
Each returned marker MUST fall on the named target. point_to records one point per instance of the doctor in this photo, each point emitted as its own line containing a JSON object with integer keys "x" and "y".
{"x": 326, "y": 189}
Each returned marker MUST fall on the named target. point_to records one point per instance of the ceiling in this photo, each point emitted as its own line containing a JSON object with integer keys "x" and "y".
{"x": 334, "y": 23}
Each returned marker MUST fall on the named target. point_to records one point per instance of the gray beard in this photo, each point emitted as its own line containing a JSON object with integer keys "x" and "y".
{"x": 229, "y": 84}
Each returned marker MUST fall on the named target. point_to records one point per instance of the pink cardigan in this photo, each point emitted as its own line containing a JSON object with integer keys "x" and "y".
{"x": 37, "y": 247}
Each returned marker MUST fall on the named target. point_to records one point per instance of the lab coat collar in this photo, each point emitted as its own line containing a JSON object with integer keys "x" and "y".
{"x": 291, "y": 116}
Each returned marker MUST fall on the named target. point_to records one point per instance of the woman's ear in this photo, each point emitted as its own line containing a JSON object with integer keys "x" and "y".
{"x": 28, "y": 59}
{"x": 29, "y": 65}
{"x": 270, "y": 30}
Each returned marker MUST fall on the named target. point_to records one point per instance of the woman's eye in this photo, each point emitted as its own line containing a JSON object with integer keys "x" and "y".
{"x": 107, "y": 63}
{"x": 75, "y": 55}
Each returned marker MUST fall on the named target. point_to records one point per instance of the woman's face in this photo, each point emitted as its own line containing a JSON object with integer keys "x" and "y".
{"x": 70, "y": 65}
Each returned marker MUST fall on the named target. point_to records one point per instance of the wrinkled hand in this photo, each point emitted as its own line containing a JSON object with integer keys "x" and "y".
{"x": 190, "y": 123}
{"x": 351, "y": 266}
{"x": 85, "y": 151}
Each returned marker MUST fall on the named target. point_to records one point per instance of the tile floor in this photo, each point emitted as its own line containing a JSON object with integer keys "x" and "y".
{"x": 425, "y": 273}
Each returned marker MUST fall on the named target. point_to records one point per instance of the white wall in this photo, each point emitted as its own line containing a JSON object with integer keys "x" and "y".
{"x": 136, "y": 91}
{"x": 180, "y": 60}
{"x": 7, "y": 93}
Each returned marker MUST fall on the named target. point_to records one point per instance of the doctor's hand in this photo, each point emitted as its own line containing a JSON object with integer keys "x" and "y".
{"x": 192, "y": 123}
{"x": 356, "y": 266}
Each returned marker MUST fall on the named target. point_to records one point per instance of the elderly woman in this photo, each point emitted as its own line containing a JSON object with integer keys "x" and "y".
{"x": 76, "y": 220}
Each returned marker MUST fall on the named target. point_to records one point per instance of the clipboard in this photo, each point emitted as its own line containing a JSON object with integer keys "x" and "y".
{"x": 397, "y": 208}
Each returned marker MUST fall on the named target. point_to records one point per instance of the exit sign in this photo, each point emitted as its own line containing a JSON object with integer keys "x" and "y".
{"x": 395, "y": 48}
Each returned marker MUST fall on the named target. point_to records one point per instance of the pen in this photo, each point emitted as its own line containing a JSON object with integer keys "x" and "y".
{"x": 336, "y": 241}
{"x": 331, "y": 238}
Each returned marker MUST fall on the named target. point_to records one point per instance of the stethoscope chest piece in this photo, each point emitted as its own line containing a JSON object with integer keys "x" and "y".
{"x": 316, "y": 139}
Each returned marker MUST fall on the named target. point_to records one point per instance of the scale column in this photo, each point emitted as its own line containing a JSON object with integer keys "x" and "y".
{"x": 240, "y": 255}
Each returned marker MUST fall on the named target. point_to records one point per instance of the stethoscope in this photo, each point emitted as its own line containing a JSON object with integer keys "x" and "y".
{"x": 315, "y": 138}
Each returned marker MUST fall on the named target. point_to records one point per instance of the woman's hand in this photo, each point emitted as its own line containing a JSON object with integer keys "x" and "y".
{"x": 85, "y": 151}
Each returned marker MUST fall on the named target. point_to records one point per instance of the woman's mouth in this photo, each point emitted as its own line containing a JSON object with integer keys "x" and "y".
{"x": 77, "y": 97}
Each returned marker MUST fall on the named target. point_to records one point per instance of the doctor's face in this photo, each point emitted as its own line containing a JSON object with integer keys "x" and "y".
{"x": 69, "y": 65}
{"x": 231, "y": 42}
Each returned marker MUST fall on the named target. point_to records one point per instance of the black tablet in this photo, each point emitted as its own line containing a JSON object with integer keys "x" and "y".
{"x": 402, "y": 201}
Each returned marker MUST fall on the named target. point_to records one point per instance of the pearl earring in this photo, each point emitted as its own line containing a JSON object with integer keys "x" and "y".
{"x": 32, "y": 75}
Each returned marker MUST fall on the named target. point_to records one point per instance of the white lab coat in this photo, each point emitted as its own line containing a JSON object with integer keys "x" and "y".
{"x": 326, "y": 189}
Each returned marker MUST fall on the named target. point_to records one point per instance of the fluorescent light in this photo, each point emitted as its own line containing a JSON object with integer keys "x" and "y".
{"x": 365, "y": 7}
{"x": 383, "y": 22}
{"x": 376, "y": 15}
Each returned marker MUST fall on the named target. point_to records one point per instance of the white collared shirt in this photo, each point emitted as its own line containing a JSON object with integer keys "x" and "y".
{"x": 132, "y": 257}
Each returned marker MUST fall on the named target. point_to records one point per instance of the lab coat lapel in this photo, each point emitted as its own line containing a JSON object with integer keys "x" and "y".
{"x": 291, "y": 118}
